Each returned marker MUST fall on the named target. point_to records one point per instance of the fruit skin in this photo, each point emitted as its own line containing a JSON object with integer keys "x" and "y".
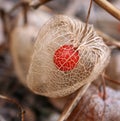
{"x": 66, "y": 58}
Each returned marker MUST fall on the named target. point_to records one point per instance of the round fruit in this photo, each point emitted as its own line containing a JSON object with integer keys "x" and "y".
{"x": 66, "y": 58}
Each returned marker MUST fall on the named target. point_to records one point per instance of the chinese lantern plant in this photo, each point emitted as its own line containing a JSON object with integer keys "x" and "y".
{"x": 22, "y": 48}
{"x": 64, "y": 59}
{"x": 22, "y": 41}
{"x": 23, "y": 38}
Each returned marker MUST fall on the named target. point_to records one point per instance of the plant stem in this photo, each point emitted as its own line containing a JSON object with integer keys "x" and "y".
{"x": 4, "y": 20}
{"x": 25, "y": 12}
{"x": 73, "y": 103}
{"x": 104, "y": 87}
{"x": 109, "y": 8}
{"x": 109, "y": 40}
{"x": 111, "y": 80}
{"x": 37, "y": 3}
{"x": 22, "y": 112}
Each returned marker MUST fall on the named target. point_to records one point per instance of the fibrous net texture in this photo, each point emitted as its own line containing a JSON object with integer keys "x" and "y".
{"x": 45, "y": 78}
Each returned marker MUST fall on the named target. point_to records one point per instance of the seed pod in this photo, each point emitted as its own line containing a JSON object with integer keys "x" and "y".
{"x": 65, "y": 58}
{"x": 22, "y": 41}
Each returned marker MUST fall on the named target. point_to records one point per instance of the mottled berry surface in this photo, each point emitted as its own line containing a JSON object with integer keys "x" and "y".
{"x": 66, "y": 58}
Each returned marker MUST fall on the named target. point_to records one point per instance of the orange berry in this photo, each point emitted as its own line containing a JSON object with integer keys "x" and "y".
{"x": 66, "y": 58}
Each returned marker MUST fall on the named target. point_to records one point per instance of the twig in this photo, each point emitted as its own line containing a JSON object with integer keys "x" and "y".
{"x": 89, "y": 10}
{"x": 25, "y": 12}
{"x": 25, "y": 7}
{"x": 109, "y": 8}
{"x": 109, "y": 40}
{"x": 77, "y": 112}
{"x": 104, "y": 87}
{"x": 111, "y": 80}
{"x": 22, "y": 112}
{"x": 6, "y": 29}
{"x": 37, "y": 3}
{"x": 73, "y": 103}
{"x": 87, "y": 20}
{"x": 4, "y": 18}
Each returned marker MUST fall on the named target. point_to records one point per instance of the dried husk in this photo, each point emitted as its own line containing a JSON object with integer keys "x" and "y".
{"x": 22, "y": 41}
{"x": 43, "y": 76}
{"x": 93, "y": 108}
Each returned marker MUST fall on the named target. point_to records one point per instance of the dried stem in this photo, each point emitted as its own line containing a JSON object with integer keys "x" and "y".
{"x": 88, "y": 15}
{"x": 109, "y": 40}
{"x": 104, "y": 87}
{"x": 77, "y": 112}
{"x": 25, "y": 7}
{"x": 6, "y": 30}
{"x": 3, "y": 15}
{"x": 25, "y": 11}
{"x": 37, "y": 3}
{"x": 69, "y": 107}
{"x": 109, "y": 8}
{"x": 111, "y": 80}
{"x": 22, "y": 112}
{"x": 86, "y": 23}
